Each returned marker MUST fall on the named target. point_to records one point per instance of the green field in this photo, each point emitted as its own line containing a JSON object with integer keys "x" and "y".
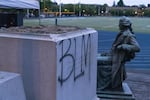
{"x": 140, "y": 24}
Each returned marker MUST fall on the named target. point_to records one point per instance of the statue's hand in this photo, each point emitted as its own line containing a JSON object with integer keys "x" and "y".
{"x": 119, "y": 47}
{"x": 123, "y": 47}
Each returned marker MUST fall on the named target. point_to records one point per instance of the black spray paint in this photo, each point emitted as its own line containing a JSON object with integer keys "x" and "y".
{"x": 85, "y": 58}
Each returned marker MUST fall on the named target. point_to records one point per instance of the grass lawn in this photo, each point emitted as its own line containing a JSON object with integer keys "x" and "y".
{"x": 140, "y": 24}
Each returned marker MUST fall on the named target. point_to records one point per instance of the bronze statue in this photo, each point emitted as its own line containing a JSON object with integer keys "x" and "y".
{"x": 123, "y": 49}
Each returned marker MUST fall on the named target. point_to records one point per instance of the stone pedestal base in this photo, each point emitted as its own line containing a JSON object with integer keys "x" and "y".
{"x": 126, "y": 94}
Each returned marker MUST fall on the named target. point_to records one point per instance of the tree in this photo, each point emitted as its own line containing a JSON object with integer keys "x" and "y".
{"x": 114, "y": 4}
{"x": 147, "y": 12}
{"x": 142, "y": 6}
{"x": 120, "y": 3}
{"x": 46, "y": 4}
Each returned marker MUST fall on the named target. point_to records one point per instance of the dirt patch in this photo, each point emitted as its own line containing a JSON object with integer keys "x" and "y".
{"x": 40, "y": 29}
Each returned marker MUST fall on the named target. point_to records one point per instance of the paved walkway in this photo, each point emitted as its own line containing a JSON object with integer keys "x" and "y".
{"x": 139, "y": 82}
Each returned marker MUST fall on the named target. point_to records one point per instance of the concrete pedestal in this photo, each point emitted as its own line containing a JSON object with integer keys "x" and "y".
{"x": 11, "y": 87}
{"x": 53, "y": 66}
{"x": 125, "y": 94}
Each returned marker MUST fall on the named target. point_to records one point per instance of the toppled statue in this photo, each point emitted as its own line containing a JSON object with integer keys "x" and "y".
{"x": 111, "y": 70}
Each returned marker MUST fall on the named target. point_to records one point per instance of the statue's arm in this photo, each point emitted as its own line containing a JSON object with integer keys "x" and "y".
{"x": 131, "y": 46}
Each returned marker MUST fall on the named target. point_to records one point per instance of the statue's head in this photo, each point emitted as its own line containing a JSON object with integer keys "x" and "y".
{"x": 124, "y": 23}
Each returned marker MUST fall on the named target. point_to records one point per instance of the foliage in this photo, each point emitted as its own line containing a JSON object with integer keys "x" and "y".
{"x": 45, "y": 4}
{"x": 89, "y": 9}
{"x": 84, "y": 9}
{"x": 147, "y": 12}
{"x": 129, "y": 12}
{"x": 122, "y": 12}
{"x": 114, "y": 4}
{"x": 68, "y": 8}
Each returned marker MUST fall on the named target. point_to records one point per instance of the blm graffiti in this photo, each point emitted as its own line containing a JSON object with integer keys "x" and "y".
{"x": 78, "y": 51}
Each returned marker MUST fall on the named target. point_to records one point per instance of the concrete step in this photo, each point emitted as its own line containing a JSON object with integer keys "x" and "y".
{"x": 125, "y": 94}
{"x": 11, "y": 86}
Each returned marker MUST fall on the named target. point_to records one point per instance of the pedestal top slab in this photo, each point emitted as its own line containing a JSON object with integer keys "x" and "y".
{"x": 55, "y": 34}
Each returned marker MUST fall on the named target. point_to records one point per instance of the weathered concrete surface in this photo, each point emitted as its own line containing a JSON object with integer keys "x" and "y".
{"x": 139, "y": 82}
{"x": 11, "y": 86}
